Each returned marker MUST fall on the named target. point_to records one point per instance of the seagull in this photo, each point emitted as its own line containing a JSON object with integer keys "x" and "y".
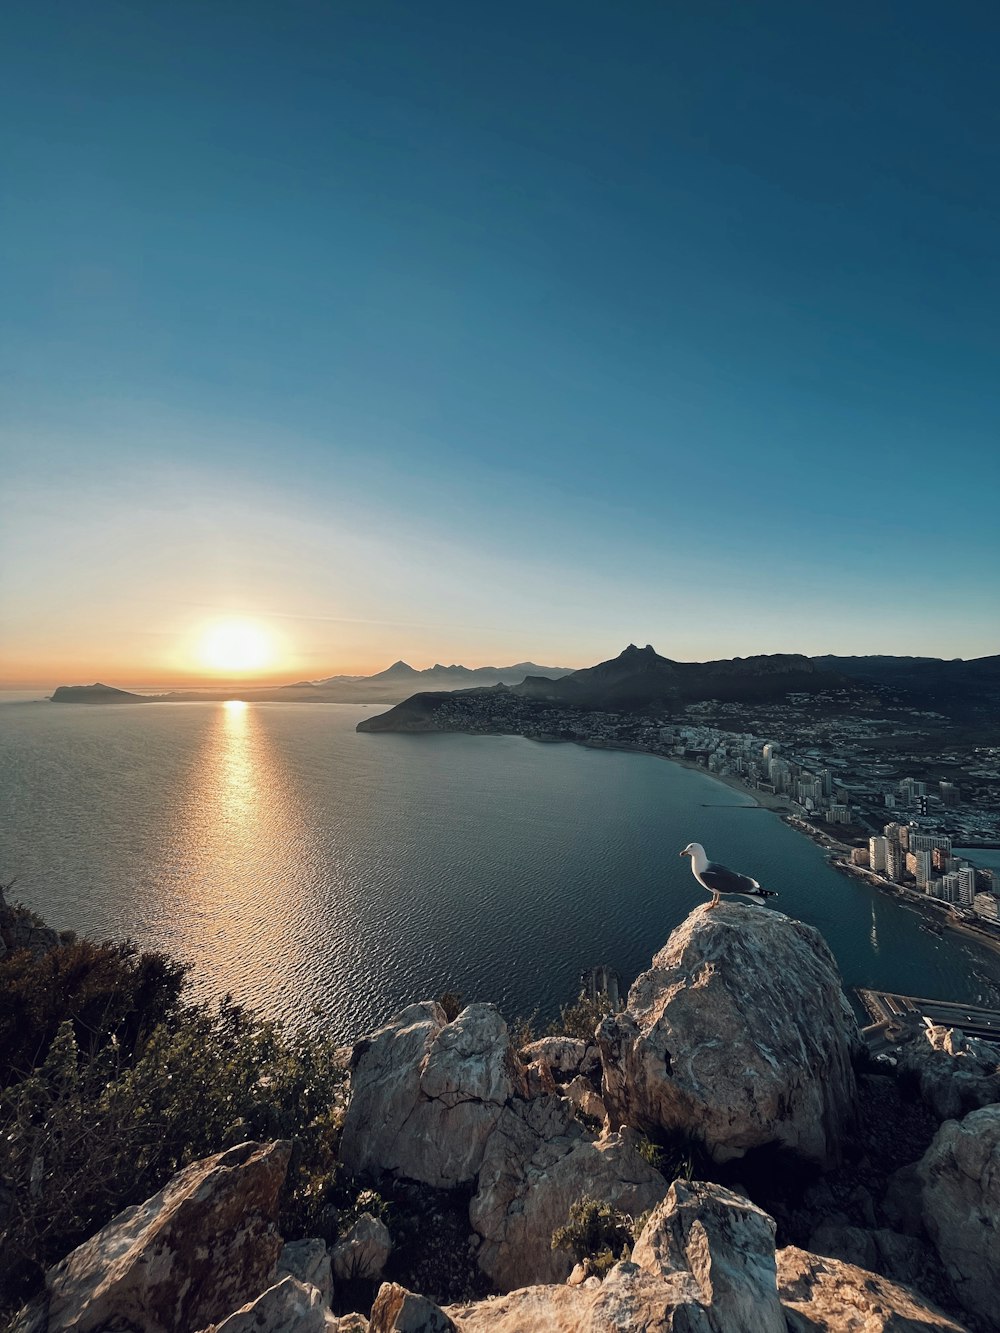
{"x": 719, "y": 879}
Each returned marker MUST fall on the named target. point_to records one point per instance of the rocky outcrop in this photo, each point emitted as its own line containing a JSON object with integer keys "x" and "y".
{"x": 899, "y": 1257}
{"x": 739, "y": 1036}
{"x": 823, "y": 1295}
{"x": 426, "y": 1094}
{"x": 960, "y": 1195}
{"x": 290, "y": 1306}
{"x": 955, "y": 1073}
{"x": 564, "y": 1057}
{"x": 704, "y": 1263}
{"x": 190, "y": 1255}
{"x": 363, "y": 1251}
{"x": 538, "y": 1162}
{"x": 397, "y": 1310}
{"x": 309, "y": 1261}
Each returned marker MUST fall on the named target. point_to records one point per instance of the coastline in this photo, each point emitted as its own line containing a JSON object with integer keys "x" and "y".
{"x": 838, "y": 852}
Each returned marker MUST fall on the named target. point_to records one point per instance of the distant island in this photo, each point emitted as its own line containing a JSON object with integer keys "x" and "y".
{"x": 96, "y": 694}
{"x": 390, "y": 686}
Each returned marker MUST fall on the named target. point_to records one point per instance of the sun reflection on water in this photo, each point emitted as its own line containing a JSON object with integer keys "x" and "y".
{"x": 241, "y": 846}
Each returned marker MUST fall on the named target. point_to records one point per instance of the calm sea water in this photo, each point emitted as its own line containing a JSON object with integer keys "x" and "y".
{"x": 300, "y": 865}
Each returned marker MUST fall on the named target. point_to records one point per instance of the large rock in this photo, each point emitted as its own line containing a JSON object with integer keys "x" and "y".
{"x": 960, "y": 1191}
{"x": 199, "y": 1249}
{"x": 397, "y": 1310}
{"x": 309, "y": 1261}
{"x": 955, "y": 1073}
{"x": 739, "y": 1036}
{"x": 426, "y": 1094}
{"x": 704, "y": 1263}
{"x": 363, "y": 1251}
{"x": 290, "y": 1306}
{"x": 824, "y": 1295}
{"x": 538, "y": 1162}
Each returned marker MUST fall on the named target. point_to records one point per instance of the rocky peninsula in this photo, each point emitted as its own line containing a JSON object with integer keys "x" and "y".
{"x": 742, "y": 1165}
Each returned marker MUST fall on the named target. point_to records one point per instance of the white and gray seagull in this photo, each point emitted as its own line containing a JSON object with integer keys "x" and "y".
{"x": 721, "y": 880}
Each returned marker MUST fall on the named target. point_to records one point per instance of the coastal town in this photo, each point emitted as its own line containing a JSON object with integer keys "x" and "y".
{"x": 903, "y": 814}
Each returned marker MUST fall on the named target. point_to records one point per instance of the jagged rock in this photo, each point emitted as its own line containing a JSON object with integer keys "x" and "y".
{"x": 564, "y": 1056}
{"x": 200, "y": 1248}
{"x": 290, "y": 1306}
{"x": 960, "y": 1180}
{"x": 703, "y": 1264}
{"x": 352, "y": 1323}
{"x": 363, "y": 1251}
{"x": 397, "y": 1310}
{"x": 309, "y": 1261}
{"x": 824, "y": 1295}
{"x": 739, "y": 1036}
{"x": 955, "y": 1073}
{"x": 586, "y": 1100}
{"x": 426, "y": 1094}
{"x": 538, "y": 1162}
{"x": 902, "y": 1204}
{"x": 900, "y": 1258}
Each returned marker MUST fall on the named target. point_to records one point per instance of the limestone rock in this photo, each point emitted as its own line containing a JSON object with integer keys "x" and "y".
{"x": 901, "y": 1258}
{"x": 703, "y": 1264}
{"x": 542, "y": 1309}
{"x": 726, "y": 1244}
{"x": 739, "y": 1035}
{"x": 538, "y": 1162}
{"x": 363, "y": 1251}
{"x": 955, "y": 1073}
{"x": 823, "y": 1295}
{"x": 290, "y": 1306}
{"x": 565, "y": 1057}
{"x": 309, "y": 1261}
{"x": 426, "y": 1094}
{"x": 585, "y": 1099}
{"x": 194, "y": 1252}
{"x": 397, "y": 1310}
{"x": 960, "y": 1179}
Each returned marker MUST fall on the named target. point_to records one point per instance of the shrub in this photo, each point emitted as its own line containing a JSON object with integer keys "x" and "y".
{"x": 133, "y": 1085}
{"x": 580, "y": 1019}
{"x": 595, "y": 1233}
{"x": 105, "y": 990}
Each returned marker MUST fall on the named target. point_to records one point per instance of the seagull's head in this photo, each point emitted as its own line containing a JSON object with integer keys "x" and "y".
{"x": 693, "y": 849}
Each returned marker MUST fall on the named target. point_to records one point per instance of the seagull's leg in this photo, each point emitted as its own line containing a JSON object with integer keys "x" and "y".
{"x": 715, "y": 900}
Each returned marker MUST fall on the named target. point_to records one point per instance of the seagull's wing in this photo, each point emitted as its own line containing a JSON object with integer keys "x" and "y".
{"x": 720, "y": 879}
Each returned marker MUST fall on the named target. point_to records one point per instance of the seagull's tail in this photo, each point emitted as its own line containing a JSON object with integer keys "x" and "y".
{"x": 764, "y": 893}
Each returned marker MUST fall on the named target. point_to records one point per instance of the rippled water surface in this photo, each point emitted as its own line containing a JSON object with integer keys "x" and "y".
{"x": 298, "y": 864}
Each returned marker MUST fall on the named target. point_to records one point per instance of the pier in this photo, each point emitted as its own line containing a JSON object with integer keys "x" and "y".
{"x": 895, "y": 1018}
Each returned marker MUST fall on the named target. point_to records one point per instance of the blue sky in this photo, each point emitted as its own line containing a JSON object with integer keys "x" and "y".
{"x": 466, "y": 332}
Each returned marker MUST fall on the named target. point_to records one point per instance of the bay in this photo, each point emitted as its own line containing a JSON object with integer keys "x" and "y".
{"x": 322, "y": 875}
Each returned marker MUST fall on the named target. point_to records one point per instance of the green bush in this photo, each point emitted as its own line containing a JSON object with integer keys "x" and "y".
{"x": 131, "y": 1085}
{"x": 580, "y": 1019}
{"x": 105, "y": 990}
{"x": 595, "y": 1233}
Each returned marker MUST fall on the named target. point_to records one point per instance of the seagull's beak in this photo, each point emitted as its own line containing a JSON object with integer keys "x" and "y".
{"x": 684, "y": 853}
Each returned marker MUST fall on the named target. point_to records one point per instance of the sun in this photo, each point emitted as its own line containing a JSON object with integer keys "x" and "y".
{"x": 236, "y": 645}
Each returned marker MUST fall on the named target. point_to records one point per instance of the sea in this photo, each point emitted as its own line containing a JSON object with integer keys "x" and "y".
{"x": 328, "y": 877}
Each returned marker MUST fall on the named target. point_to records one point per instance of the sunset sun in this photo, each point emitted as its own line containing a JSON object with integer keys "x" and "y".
{"x": 236, "y": 645}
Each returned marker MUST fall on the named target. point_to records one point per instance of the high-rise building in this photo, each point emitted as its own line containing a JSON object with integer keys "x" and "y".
{"x": 950, "y": 794}
{"x": 860, "y": 856}
{"x": 893, "y": 862}
{"x": 826, "y": 778}
{"x": 877, "y": 848}
{"x": 966, "y": 885}
{"x": 923, "y": 872}
{"x": 769, "y": 751}
{"x": 947, "y": 888}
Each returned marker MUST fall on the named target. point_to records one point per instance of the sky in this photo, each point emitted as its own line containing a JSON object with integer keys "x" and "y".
{"x": 478, "y": 333}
